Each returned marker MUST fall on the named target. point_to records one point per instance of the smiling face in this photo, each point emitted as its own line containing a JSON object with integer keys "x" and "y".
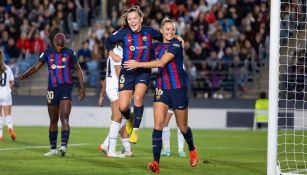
{"x": 168, "y": 31}
{"x": 134, "y": 21}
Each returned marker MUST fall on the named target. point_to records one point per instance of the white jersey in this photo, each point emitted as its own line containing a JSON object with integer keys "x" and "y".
{"x": 5, "y": 88}
{"x": 111, "y": 76}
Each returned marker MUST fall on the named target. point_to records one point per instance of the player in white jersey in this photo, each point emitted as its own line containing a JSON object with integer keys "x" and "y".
{"x": 111, "y": 88}
{"x": 6, "y": 85}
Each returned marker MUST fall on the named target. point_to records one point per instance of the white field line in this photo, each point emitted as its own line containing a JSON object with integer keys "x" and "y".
{"x": 37, "y": 147}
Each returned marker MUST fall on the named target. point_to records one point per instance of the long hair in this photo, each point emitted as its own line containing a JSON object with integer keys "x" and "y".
{"x": 123, "y": 19}
{"x": 2, "y": 67}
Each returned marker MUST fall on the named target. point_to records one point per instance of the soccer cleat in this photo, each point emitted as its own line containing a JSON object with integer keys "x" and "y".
{"x": 165, "y": 153}
{"x": 154, "y": 166}
{"x": 134, "y": 136}
{"x": 102, "y": 149}
{"x": 129, "y": 125}
{"x": 182, "y": 154}
{"x": 193, "y": 157}
{"x": 1, "y": 138}
{"x": 115, "y": 155}
{"x": 62, "y": 151}
{"x": 52, "y": 152}
{"x": 11, "y": 133}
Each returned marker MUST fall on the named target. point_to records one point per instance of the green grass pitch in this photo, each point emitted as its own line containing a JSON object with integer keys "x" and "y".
{"x": 221, "y": 152}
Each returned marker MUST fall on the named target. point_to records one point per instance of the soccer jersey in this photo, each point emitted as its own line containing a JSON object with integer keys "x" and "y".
{"x": 5, "y": 79}
{"x": 172, "y": 75}
{"x": 59, "y": 65}
{"x": 136, "y": 46}
{"x": 111, "y": 76}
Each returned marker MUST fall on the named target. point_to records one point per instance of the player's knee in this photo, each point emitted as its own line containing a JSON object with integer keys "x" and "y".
{"x": 159, "y": 125}
{"x": 183, "y": 128}
{"x": 138, "y": 100}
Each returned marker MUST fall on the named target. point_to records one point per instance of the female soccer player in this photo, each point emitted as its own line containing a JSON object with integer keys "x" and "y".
{"x": 6, "y": 85}
{"x": 137, "y": 41}
{"x": 60, "y": 61}
{"x": 110, "y": 88}
{"x": 171, "y": 91}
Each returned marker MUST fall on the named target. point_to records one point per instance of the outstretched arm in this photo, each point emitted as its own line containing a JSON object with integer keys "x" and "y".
{"x": 167, "y": 57}
{"x": 31, "y": 70}
{"x": 81, "y": 93}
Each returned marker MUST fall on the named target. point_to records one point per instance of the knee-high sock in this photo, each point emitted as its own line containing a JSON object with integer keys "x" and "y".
{"x": 114, "y": 129}
{"x": 126, "y": 144}
{"x": 180, "y": 140}
{"x": 53, "y": 135}
{"x": 105, "y": 143}
{"x": 127, "y": 114}
{"x": 64, "y": 138}
{"x": 9, "y": 121}
{"x": 138, "y": 114}
{"x": 156, "y": 144}
{"x": 166, "y": 135}
{"x": 123, "y": 123}
{"x": 1, "y": 126}
{"x": 188, "y": 136}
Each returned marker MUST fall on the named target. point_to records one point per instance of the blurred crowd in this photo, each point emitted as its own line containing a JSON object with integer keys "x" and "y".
{"x": 226, "y": 41}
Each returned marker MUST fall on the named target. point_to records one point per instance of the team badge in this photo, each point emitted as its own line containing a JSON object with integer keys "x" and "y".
{"x": 132, "y": 48}
{"x": 144, "y": 38}
{"x": 121, "y": 86}
{"x": 53, "y": 66}
{"x": 64, "y": 59}
{"x": 159, "y": 92}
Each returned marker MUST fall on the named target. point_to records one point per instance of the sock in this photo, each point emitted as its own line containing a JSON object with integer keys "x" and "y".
{"x": 126, "y": 144}
{"x": 166, "y": 138}
{"x": 123, "y": 123}
{"x": 189, "y": 139}
{"x": 114, "y": 129}
{"x": 64, "y": 138}
{"x": 105, "y": 143}
{"x": 127, "y": 114}
{"x": 180, "y": 140}
{"x": 1, "y": 126}
{"x": 53, "y": 139}
{"x": 9, "y": 121}
{"x": 156, "y": 144}
{"x": 138, "y": 113}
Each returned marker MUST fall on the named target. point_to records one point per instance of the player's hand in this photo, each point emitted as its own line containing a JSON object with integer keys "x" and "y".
{"x": 20, "y": 78}
{"x": 116, "y": 58}
{"x": 101, "y": 100}
{"x": 131, "y": 64}
{"x": 81, "y": 94}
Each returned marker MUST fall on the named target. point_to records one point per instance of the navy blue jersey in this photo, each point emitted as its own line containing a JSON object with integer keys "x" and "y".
{"x": 172, "y": 75}
{"x": 59, "y": 65}
{"x": 136, "y": 46}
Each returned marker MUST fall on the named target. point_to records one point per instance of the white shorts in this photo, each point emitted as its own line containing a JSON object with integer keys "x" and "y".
{"x": 112, "y": 94}
{"x": 6, "y": 100}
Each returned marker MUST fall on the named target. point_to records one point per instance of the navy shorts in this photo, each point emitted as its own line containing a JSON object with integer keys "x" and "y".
{"x": 128, "y": 79}
{"x": 174, "y": 98}
{"x": 57, "y": 94}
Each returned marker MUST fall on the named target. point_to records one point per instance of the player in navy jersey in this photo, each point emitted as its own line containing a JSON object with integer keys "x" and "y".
{"x": 137, "y": 41}
{"x": 171, "y": 90}
{"x": 60, "y": 61}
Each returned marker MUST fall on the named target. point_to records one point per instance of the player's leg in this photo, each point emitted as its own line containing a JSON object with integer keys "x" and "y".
{"x": 166, "y": 135}
{"x": 139, "y": 93}
{"x": 53, "y": 129}
{"x": 182, "y": 122}
{"x": 65, "y": 108}
{"x": 9, "y": 121}
{"x": 1, "y": 124}
{"x": 160, "y": 112}
{"x": 125, "y": 140}
{"x": 180, "y": 139}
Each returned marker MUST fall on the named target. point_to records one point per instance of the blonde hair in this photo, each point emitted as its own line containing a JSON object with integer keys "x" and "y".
{"x": 166, "y": 20}
{"x": 2, "y": 67}
{"x": 123, "y": 19}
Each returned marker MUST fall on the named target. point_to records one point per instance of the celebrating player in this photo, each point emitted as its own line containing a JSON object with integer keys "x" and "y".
{"x": 6, "y": 85}
{"x": 171, "y": 91}
{"x": 60, "y": 61}
{"x": 110, "y": 88}
{"x": 137, "y": 41}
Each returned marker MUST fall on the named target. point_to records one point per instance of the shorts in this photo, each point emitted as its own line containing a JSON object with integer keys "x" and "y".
{"x": 6, "y": 99}
{"x": 174, "y": 98}
{"x": 112, "y": 94}
{"x": 128, "y": 79}
{"x": 57, "y": 94}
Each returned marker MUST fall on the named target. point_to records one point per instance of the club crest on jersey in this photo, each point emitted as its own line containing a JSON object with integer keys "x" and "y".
{"x": 144, "y": 38}
{"x": 121, "y": 86}
{"x": 132, "y": 48}
{"x": 159, "y": 92}
{"x": 53, "y": 66}
{"x": 64, "y": 59}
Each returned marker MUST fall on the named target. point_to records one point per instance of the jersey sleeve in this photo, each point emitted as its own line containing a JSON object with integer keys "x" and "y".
{"x": 10, "y": 74}
{"x": 73, "y": 56}
{"x": 155, "y": 34}
{"x": 174, "y": 47}
{"x": 113, "y": 39}
{"x": 43, "y": 56}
